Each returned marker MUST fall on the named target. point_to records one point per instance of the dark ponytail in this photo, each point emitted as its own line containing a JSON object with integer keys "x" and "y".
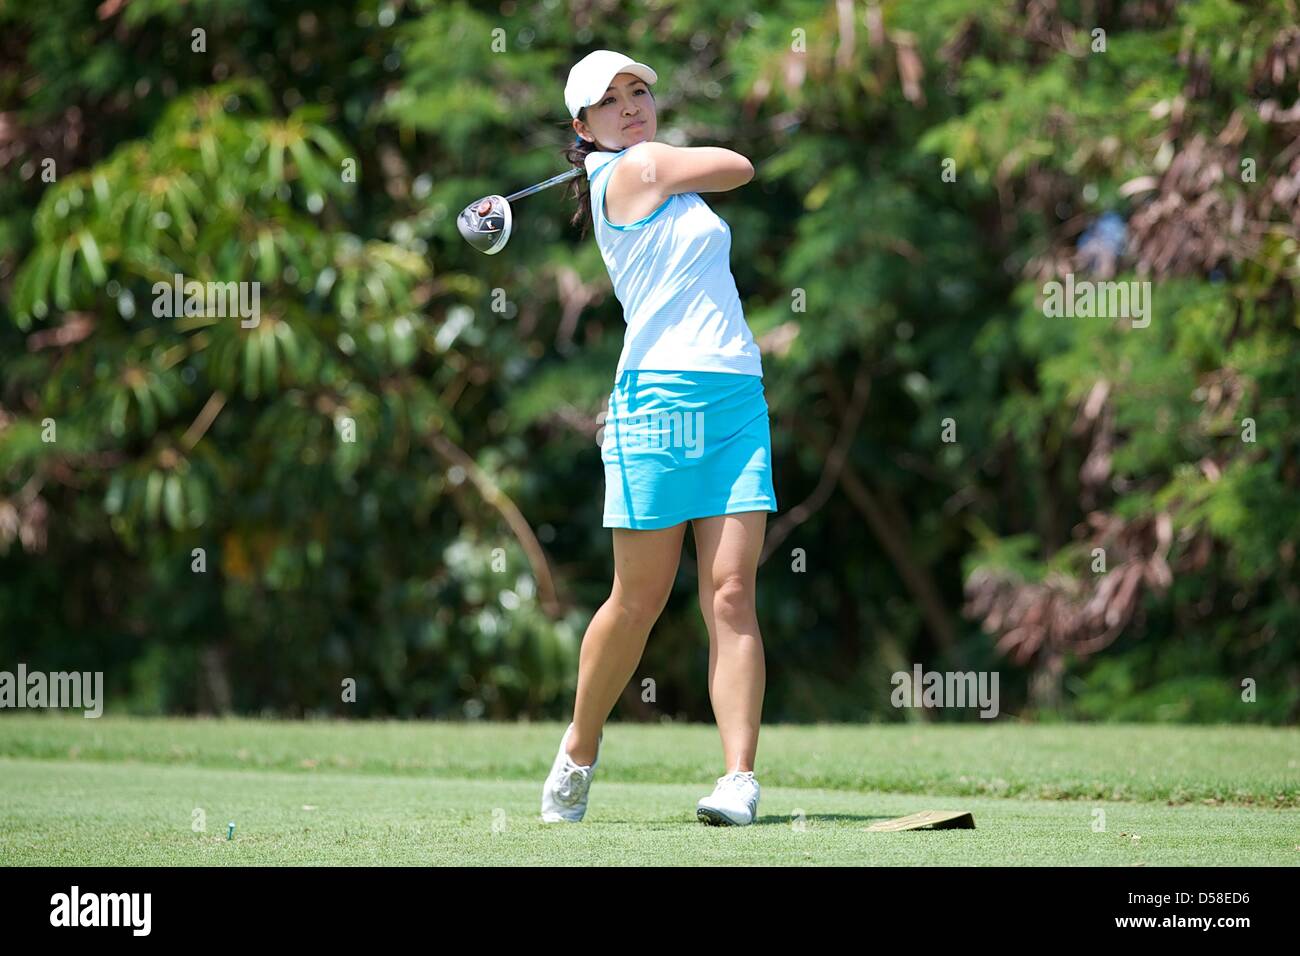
{"x": 576, "y": 154}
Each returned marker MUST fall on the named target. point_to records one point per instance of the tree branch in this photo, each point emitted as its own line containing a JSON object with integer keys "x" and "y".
{"x": 514, "y": 518}
{"x": 916, "y": 578}
{"x": 801, "y": 512}
{"x": 207, "y": 415}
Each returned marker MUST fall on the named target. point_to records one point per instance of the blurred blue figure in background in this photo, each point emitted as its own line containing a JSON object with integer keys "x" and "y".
{"x": 1102, "y": 243}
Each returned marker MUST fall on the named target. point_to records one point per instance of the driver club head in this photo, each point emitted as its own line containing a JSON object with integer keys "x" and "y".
{"x": 485, "y": 224}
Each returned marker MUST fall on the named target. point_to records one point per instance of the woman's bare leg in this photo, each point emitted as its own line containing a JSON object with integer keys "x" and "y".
{"x": 727, "y": 548}
{"x": 645, "y": 565}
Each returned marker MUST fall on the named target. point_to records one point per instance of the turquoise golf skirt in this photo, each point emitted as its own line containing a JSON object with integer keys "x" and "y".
{"x": 682, "y": 445}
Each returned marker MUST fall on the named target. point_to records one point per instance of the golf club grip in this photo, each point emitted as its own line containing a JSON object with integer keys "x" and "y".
{"x": 553, "y": 181}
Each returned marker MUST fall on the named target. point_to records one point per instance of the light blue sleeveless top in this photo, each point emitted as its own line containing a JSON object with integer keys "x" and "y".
{"x": 672, "y": 273}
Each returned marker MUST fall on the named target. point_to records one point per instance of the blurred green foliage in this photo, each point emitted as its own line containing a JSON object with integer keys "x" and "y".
{"x": 349, "y": 463}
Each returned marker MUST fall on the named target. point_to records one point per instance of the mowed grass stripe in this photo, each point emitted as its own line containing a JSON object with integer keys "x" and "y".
{"x": 61, "y": 812}
{"x": 1247, "y": 766}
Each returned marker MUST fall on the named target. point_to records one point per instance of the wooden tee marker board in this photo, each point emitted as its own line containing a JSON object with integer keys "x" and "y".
{"x": 933, "y": 819}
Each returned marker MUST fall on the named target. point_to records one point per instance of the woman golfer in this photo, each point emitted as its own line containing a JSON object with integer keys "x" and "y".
{"x": 687, "y": 434}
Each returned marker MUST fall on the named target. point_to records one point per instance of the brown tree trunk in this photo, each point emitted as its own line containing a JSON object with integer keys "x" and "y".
{"x": 916, "y": 578}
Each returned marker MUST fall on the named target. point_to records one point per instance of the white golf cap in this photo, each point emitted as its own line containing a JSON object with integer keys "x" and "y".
{"x": 590, "y": 77}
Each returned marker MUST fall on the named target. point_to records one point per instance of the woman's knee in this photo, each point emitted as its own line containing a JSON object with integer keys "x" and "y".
{"x": 732, "y": 599}
{"x": 642, "y": 605}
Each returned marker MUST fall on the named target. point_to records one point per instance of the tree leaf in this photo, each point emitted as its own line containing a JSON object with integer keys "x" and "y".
{"x": 90, "y": 250}
{"x": 270, "y": 363}
{"x": 252, "y": 358}
{"x": 173, "y": 503}
{"x": 268, "y": 263}
{"x": 63, "y": 278}
{"x": 148, "y": 411}
{"x": 153, "y": 495}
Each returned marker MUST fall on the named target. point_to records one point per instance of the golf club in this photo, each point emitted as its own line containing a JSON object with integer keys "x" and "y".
{"x": 486, "y": 223}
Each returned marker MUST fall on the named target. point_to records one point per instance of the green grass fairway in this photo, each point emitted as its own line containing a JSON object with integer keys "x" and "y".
{"x": 119, "y": 791}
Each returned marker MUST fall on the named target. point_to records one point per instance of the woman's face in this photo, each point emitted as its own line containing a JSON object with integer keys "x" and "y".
{"x": 624, "y": 116}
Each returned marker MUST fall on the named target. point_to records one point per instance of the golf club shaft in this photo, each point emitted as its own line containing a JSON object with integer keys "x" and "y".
{"x": 553, "y": 181}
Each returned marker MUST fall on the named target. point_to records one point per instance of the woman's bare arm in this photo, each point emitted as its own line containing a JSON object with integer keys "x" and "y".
{"x": 668, "y": 170}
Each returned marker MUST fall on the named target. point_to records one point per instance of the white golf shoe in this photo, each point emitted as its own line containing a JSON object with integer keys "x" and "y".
{"x": 733, "y": 803}
{"x": 564, "y": 795}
